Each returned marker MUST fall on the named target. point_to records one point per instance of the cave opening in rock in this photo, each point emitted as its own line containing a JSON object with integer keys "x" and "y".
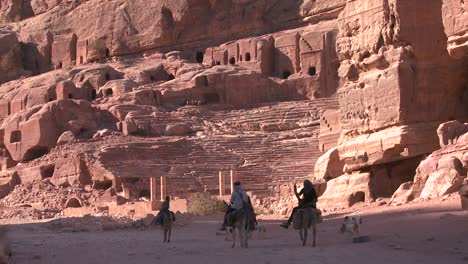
{"x": 15, "y": 136}
{"x": 145, "y": 194}
{"x": 232, "y": 61}
{"x": 199, "y": 57}
{"x": 211, "y": 98}
{"x": 171, "y": 77}
{"x": 312, "y": 71}
{"x": 167, "y": 19}
{"x": 109, "y": 92}
{"x": 356, "y": 198}
{"x": 286, "y": 74}
{"x": 48, "y": 171}
{"x": 36, "y": 67}
{"x": 102, "y": 185}
{"x": 204, "y": 81}
{"x": 73, "y": 203}
{"x": 81, "y": 59}
{"x": 247, "y": 56}
{"x": 35, "y": 153}
{"x": 107, "y": 53}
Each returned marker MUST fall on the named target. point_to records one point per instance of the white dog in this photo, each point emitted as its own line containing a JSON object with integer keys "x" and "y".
{"x": 351, "y": 225}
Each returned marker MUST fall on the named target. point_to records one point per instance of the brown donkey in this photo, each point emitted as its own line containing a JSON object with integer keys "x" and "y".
{"x": 167, "y": 222}
{"x": 305, "y": 218}
{"x": 5, "y": 249}
{"x": 240, "y": 220}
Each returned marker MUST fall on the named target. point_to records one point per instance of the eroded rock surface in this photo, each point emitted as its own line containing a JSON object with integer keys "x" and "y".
{"x": 106, "y": 94}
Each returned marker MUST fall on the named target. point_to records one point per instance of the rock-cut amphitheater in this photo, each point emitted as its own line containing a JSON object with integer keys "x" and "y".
{"x": 367, "y": 98}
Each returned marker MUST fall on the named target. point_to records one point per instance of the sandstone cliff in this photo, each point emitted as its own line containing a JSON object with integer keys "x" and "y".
{"x": 133, "y": 89}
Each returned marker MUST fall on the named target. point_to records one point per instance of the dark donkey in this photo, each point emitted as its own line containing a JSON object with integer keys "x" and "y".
{"x": 240, "y": 220}
{"x": 167, "y": 221}
{"x": 305, "y": 218}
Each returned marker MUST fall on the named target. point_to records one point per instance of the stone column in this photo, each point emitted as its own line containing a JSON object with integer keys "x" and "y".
{"x": 154, "y": 195}
{"x": 233, "y": 176}
{"x": 163, "y": 188}
{"x": 222, "y": 184}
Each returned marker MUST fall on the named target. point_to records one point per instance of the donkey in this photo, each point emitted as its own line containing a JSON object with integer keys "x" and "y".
{"x": 5, "y": 248}
{"x": 303, "y": 219}
{"x": 240, "y": 220}
{"x": 167, "y": 221}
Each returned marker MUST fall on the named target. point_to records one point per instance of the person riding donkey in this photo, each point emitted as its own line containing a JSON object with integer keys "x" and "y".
{"x": 309, "y": 200}
{"x": 164, "y": 210}
{"x": 239, "y": 200}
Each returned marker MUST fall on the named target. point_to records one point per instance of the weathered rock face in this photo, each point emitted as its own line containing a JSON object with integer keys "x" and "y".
{"x": 7, "y": 183}
{"x": 33, "y": 132}
{"x": 443, "y": 171}
{"x": 124, "y": 29}
{"x": 455, "y": 18}
{"x": 403, "y": 194}
{"x": 329, "y": 166}
{"x": 347, "y": 190}
{"x": 448, "y": 178}
{"x": 396, "y": 63}
{"x": 70, "y": 171}
{"x": 12, "y": 10}
{"x": 450, "y": 132}
{"x": 10, "y": 56}
{"x": 389, "y": 106}
{"x": 193, "y": 87}
{"x": 16, "y": 10}
{"x": 380, "y": 181}
{"x": 65, "y": 138}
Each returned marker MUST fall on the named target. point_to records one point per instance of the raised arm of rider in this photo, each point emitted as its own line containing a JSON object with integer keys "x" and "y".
{"x": 298, "y": 195}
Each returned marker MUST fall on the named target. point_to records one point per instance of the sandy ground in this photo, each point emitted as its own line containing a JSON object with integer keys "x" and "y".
{"x": 429, "y": 232}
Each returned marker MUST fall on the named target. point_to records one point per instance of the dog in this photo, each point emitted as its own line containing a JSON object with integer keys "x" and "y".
{"x": 131, "y": 214}
{"x": 351, "y": 225}
{"x": 260, "y": 228}
{"x": 5, "y": 247}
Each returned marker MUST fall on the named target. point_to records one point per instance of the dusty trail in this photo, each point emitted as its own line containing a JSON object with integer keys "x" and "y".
{"x": 430, "y": 232}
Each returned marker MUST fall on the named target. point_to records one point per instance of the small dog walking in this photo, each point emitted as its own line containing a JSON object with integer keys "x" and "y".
{"x": 351, "y": 225}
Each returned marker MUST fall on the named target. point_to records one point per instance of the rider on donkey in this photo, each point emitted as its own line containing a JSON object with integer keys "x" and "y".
{"x": 309, "y": 200}
{"x": 164, "y": 210}
{"x": 238, "y": 198}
